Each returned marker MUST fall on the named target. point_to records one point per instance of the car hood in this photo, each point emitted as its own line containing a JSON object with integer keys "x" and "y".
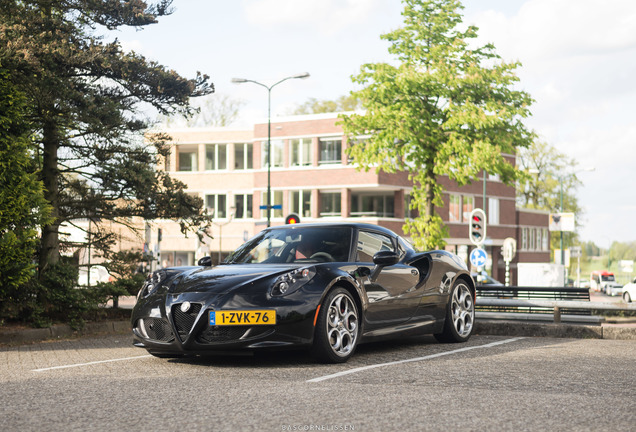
{"x": 225, "y": 278}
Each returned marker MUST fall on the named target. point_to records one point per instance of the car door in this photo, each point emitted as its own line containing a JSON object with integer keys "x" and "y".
{"x": 391, "y": 294}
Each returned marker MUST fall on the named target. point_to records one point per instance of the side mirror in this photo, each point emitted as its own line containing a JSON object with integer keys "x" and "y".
{"x": 386, "y": 258}
{"x": 383, "y": 259}
{"x": 206, "y": 261}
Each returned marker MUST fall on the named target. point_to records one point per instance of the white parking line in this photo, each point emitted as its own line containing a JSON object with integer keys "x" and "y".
{"x": 363, "y": 368}
{"x": 90, "y": 363}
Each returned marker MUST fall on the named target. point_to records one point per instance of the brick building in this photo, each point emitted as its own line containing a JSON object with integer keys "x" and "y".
{"x": 312, "y": 176}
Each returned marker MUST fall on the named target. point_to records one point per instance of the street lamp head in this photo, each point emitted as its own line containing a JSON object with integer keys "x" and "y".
{"x": 302, "y": 75}
{"x": 239, "y": 80}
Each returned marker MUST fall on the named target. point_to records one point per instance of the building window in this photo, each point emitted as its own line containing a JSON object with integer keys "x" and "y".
{"x": 217, "y": 204}
{"x": 242, "y": 156}
{"x": 300, "y": 202}
{"x": 493, "y": 211}
{"x": 330, "y": 151}
{"x": 454, "y": 204}
{"x": 533, "y": 238}
{"x": 215, "y": 157}
{"x": 524, "y": 238}
{"x": 330, "y": 204}
{"x": 243, "y": 206}
{"x": 277, "y": 153}
{"x": 277, "y": 200}
{"x": 467, "y": 207}
{"x": 300, "y": 152}
{"x": 188, "y": 160}
{"x": 546, "y": 240}
{"x": 373, "y": 205}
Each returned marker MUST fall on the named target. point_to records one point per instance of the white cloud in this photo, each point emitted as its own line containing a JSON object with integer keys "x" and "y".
{"x": 561, "y": 28}
{"x": 323, "y": 16}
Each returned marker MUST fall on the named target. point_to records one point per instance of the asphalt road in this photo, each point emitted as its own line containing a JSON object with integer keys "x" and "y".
{"x": 491, "y": 383}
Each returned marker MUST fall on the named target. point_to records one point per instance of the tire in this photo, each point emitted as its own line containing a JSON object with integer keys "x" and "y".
{"x": 460, "y": 315}
{"x": 337, "y": 328}
{"x": 627, "y": 297}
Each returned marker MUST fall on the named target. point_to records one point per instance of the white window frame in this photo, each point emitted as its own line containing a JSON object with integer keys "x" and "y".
{"x": 329, "y": 162}
{"x": 216, "y": 157}
{"x": 305, "y": 153}
{"x": 248, "y": 162}
{"x": 277, "y": 144}
{"x": 298, "y": 208}
{"x": 216, "y": 204}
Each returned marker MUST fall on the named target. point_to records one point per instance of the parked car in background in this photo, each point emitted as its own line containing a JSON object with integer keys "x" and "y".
{"x": 485, "y": 279}
{"x": 605, "y": 282}
{"x": 489, "y": 287}
{"x": 629, "y": 291}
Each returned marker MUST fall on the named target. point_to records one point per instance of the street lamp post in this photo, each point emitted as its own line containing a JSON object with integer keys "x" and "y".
{"x": 269, "y": 129}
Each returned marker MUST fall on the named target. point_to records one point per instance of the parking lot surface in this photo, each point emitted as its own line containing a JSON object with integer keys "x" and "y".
{"x": 489, "y": 383}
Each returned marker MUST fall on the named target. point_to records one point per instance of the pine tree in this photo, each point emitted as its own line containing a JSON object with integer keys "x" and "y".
{"x": 86, "y": 100}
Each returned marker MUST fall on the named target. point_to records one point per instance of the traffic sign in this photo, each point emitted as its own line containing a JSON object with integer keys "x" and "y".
{"x": 478, "y": 257}
{"x": 509, "y": 249}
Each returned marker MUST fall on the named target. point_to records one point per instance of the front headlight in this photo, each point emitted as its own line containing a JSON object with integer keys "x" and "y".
{"x": 290, "y": 282}
{"x": 152, "y": 283}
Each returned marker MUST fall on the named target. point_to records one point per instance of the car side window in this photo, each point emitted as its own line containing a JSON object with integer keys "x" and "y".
{"x": 370, "y": 243}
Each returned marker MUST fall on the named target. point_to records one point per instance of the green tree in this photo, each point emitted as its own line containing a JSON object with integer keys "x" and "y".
{"x": 315, "y": 106}
{"x": 23, "y": 208}
{"x": 87, "y": 99}
{"x": 548, "y": 176}
{"x": 446, "y": 108}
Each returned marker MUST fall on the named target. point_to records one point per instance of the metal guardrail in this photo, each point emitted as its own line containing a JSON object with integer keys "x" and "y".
{"x": 556, "y": 305}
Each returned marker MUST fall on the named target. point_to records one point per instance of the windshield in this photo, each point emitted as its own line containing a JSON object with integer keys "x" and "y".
{"x": 295, "y": 245}
{"x": 608, "y": 278}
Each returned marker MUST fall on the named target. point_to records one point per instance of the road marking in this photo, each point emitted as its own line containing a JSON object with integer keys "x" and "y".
{"x": 428, "y": 357}
{"x": 90, "y": 363}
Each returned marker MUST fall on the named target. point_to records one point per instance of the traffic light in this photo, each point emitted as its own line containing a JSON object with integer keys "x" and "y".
{"x": 477, "y": 227}
{"x": 292, "y": 218}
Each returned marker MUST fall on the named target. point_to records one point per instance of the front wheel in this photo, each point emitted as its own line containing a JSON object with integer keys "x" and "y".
{"x": 627, "y": 297}
{"x": 337, "y": 328}
{"x": 460, "y": 315}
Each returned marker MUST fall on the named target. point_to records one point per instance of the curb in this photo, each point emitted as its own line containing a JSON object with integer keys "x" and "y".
{"x": 511, "y": 328}
{"x": 62, "y": 331}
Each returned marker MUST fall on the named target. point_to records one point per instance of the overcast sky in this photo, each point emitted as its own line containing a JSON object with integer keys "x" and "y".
{"x": 578, "y": 56}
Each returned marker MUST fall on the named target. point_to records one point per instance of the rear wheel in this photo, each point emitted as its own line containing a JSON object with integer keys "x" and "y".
{"x": 627, "y": 297}
{"x": 337, "y": 328}
{"x": 460, "y": 315}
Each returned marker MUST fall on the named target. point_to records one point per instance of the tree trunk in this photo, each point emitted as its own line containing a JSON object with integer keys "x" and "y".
{"x": 430, "y": 190}
{"x": 50, "y": 243}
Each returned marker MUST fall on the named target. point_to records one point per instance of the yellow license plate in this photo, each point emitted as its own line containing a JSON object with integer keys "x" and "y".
{"x": 242, "y": 317}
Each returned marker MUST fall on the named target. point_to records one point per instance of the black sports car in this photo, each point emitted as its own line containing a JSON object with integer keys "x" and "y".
{"x": 326, "y": 287}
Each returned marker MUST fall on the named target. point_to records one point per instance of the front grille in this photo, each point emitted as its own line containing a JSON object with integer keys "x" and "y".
{"x": 184, "y": 321}
{"x": 157, "y": 329}
{"x": 220, "y": 334}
